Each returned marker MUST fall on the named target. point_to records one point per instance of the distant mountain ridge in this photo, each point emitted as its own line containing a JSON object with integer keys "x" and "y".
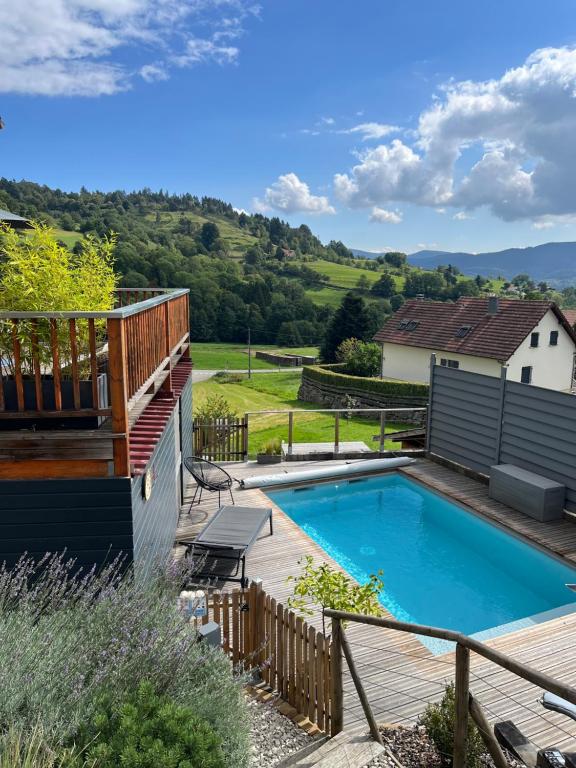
{"x": 553, "y": 262}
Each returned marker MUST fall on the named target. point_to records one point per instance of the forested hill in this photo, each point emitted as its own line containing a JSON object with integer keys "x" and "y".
{"x": 243, "y": 271}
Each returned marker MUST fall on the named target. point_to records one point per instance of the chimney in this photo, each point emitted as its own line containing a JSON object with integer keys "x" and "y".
{"x": 493, "y": 305}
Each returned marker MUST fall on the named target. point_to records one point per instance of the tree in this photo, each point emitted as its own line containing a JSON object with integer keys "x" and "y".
{"x": 350, "y": 320}
{"x": 289, "y": 335}
{"x": 395, "y": 259}
{"x": 396, "y": 301}
{"x": 209, "y": 234}
{"x": 363, "y": 284}
{"x": 385, "y": 286}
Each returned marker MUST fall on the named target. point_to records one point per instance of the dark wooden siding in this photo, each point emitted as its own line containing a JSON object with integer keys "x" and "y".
{"x": 465, "y": 417}
{"x": 90, "y": 518}
{"x": 155, "y": 520}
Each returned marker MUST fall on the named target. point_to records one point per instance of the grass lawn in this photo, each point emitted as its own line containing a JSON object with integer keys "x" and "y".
{"x": 219, "y": 357}
{"x": 347, "y": 277}
{"x": 280, "y": 392}
{"x": 236, "y": 239}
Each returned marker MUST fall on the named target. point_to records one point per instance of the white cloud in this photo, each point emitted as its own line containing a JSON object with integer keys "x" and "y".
{"x": 370, "y": 131}
{"x": 72, "y": 47}
{"x": 291, "y": 195}
{"x": 382, "y": 216}
{"x": 153, "y": 72}
{"x": 522, "y": 125}
{"x": 462, "y": 216}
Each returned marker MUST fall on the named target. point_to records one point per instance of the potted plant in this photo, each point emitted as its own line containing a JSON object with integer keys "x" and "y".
{"x": 270, "y": 452}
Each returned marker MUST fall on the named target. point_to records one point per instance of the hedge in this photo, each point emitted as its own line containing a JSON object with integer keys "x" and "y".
{"x": 328, "y": 375}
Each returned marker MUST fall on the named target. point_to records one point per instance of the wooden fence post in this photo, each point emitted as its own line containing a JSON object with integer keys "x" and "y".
{"x": 336, "y": 431}
{"x": 382, "y": 431}
{"x": 290, "y": 431}
{"x": 336, "y": 688}
{"x": 462, "y": 693}
{"x": 118, "y": 395}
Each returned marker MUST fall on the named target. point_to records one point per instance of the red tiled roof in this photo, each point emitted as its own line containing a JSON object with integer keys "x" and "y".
{"x": 148, "y": 430}
{"x": 570, "y": 315}
{"x": 496, "y": 336}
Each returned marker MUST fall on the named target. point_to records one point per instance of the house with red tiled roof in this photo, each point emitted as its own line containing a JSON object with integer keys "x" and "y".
{"x": 533, "y": 339}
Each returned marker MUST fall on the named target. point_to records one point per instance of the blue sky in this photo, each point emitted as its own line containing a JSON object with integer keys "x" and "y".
{"x": 383, "y": 124}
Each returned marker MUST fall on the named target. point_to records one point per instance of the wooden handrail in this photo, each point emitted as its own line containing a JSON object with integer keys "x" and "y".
{"x": 464, "y": 705}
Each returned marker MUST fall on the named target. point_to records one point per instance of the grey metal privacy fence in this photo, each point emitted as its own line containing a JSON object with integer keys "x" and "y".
{"x": 477, "y": 421}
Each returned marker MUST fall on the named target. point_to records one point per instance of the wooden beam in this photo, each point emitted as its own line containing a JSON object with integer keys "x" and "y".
{"x": 337, "y": 690}
{"x": 486, "y": 733}
{"x": 117, "y": 371}
{"x": 462, "y": 694}
{"x": 48, "y": 468}
{"x": 371, "y": 720}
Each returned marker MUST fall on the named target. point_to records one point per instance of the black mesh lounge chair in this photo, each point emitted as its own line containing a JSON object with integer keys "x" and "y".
{"x": 209, "y": 477}
{"x": 227, "y": 539}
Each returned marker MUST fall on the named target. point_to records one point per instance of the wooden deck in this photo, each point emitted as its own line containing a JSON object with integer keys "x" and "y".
{"x": 400, "y": 674}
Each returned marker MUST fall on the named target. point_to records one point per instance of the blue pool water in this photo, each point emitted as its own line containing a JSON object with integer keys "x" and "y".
{"x": 442, "y": 565}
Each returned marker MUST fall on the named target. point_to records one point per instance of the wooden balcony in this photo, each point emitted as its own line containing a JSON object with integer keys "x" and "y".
{"x": 74, "y": 384}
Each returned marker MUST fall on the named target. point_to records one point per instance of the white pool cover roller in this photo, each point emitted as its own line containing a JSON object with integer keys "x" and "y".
{"x": 324, "y": 473}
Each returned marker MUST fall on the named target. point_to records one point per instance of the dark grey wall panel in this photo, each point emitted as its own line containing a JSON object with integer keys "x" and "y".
{"x": 539, "y": 434}
{"x": 155, "y": 520}
{"x": 480, "y": 420}
{"x": 464, "y": 417}
{"x": 91, "y": 518}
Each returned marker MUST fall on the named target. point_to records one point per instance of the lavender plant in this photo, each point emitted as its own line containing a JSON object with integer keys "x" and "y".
{"x": 69, "y": 638}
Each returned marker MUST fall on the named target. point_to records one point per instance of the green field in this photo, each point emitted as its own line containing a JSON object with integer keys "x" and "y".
{"x": 279, "y": 391}
{"x": 347, "y": 277}
{"x": 229, "y": 357}
{"x": 236, "y": 239}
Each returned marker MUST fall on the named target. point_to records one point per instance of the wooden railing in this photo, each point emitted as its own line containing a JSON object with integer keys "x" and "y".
{"x": 54, "y": 364}
{"x": 465, "y": 703}
{"x": 382, "y": 414}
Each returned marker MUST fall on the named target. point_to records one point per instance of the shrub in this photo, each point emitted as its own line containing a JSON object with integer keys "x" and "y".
{"x": 361, "y": 358}
{"x": 37, "y": 274}
{"x": 150, "y": 731}
{"x": 214, "y": 407}
{"x": 332, "y": 376}
{"x": 30, "y": 749}
{"x": 439, "y": 719}
{"x": 330, "y": 588}
{"x": 67, "y": 639}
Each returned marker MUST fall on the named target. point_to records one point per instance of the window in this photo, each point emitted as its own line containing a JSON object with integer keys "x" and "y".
{"x": 553, "y": 338}
{"x": 534, "y": 339}
{"x": 449, "y": 363}
{"x": 526, "y": 377}
{"x": 408, "y": 325}
{"x": 463, "y": 331}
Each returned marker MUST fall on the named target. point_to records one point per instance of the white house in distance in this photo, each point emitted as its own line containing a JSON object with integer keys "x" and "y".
{"x": 532, "y": 338}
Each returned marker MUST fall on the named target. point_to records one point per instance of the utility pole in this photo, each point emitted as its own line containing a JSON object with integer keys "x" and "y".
{"x": 249, "y": 356}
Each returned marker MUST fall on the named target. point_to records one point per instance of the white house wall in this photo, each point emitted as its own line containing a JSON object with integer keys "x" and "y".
{"x": 413, "y": 363}
{"x": 551, "y": 365}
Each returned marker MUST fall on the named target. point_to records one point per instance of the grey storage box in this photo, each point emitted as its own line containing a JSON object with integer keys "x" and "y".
{"x": 536, "y": 496}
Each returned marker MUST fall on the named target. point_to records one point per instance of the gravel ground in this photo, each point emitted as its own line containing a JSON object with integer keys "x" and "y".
{"x": 413, "y": 749}
{"x": 274, "y": 736}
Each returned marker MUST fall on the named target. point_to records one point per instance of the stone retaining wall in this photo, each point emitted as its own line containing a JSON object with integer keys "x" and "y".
{"x": 329, "y": 396}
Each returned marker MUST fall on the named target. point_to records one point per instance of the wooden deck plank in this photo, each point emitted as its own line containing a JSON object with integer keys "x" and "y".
{"x": 400, "y": 674}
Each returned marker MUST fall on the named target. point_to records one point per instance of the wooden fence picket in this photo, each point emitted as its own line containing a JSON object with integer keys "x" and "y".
{"x": 294, "y": 659}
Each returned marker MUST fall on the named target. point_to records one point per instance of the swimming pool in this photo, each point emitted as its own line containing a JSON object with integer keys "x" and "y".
{"x": 443, "y": 565}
